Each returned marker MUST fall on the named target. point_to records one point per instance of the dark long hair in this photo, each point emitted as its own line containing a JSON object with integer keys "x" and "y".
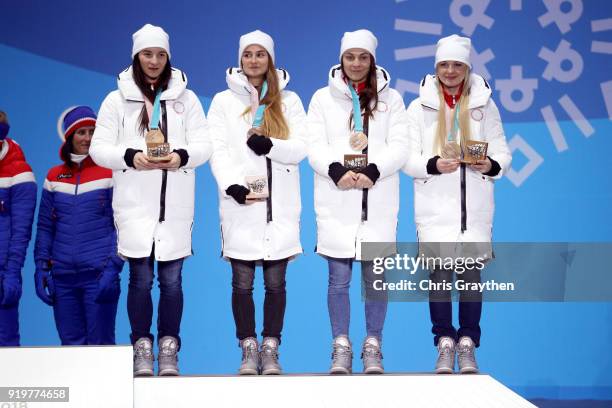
{"x": 141, "y": 82}
{"x": 368, "y": 97}
{"x": 66, "y": 149}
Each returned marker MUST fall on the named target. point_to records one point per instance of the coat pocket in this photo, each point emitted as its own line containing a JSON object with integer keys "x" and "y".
{"x": 180, "y": 192}
{"x": 479, "y": 192}
{"x": 127, "y": 189}
{"x": 436, "y": 197}
{"x": 327, "y": 196}
{"x": 286, "y": 185}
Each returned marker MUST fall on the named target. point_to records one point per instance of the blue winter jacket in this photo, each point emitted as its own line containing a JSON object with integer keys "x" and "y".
{"x": 75, "y": 230}
{"x": 17, "y": 205}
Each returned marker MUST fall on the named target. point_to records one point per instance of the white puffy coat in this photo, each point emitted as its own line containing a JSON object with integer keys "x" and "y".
{"x": 340, "y": 229}
{"x": 437, "y": 198}
{"x": 152, "y": 206}
{"x": 246, "y": 232}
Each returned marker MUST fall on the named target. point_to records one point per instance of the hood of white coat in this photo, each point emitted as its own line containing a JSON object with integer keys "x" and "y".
{"x": 339, "y": 88}
{"x": 129, "y": 90}
{"x": 480, "y": 92}
{"x": 237, "y": 81}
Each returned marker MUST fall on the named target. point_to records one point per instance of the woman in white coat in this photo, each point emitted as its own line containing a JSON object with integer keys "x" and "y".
{"x": 453, "y": 201}
{"x": 153, "y": 202}
{"x": 258, "y": 131}
{"x": 356, "y": 206}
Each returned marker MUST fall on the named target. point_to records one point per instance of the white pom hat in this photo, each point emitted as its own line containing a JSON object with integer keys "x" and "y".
{"x": 359, "y": 39}
{"x": 259, "y": 38}
{"x": 150, "y": 36}
{"x": 454, "y": 48}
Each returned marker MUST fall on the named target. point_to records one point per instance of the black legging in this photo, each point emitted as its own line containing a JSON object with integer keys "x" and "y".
{"x": 243, "y": 307}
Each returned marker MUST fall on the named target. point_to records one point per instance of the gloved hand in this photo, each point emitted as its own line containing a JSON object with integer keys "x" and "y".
{"x": 336, "y": 171}
{"x": 238, "y": 193}
{"x": 10, "y": 289}
{"x": 108, "y": 287}
{"x": 45, "y": 288}
{"x": 261, "y": 145}
{"x": 371, "y": 171}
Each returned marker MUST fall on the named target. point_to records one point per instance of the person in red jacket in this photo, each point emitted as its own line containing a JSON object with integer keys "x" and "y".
{"x": 17, "y": 205}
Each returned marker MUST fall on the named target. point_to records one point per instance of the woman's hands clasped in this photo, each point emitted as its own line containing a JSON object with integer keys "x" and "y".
{"x": 354, "y": 180}
{"x": 450, "y": 165}
{"x": 141, "y": 162}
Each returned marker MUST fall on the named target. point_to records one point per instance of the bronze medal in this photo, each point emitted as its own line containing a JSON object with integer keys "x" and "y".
{"x": 255, "y": 131}
{"x": 355, "y": 162}
{"x": 157, "y": 148}
{"x": 451, "y": 150}
{"x": 358, "y": 141}
{"x": 258, "y": 187}
{"x": 154, "y": 136}
{"x": 475, "y": 150}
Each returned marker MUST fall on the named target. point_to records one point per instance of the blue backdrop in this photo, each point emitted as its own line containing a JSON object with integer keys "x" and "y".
{"x": 548, "y": 62}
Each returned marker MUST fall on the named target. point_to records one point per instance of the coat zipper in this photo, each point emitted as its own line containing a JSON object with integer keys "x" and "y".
{"x": 76, "y": 192}
{"x": 269, "y": 199}
{"x": 162, "y": 195}
{"x": 364, "y": 196}
{"x": 78, "y": 180}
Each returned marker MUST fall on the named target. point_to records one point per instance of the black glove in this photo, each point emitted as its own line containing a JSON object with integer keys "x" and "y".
{"x": 336, "y": 171}
{"x": 183, "y": 155}
{"x": 495, "y": 168}
{"x": 432, "y": 165}
{"x": 371, "y": 170}
{"x": 128, "y": 157}
{"x": 238, "y": 193}
{"x": 261, "y": 145}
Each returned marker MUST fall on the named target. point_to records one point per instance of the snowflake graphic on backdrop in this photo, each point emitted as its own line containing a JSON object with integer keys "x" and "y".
{"x": 517, "y": 93}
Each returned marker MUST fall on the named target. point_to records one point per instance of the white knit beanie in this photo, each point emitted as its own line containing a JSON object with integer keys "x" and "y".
{"x": 454, "y": 48}
{"x": 259, "y": 38}
{"x": 150, "y": 36}
{"x": 359, "y": 39}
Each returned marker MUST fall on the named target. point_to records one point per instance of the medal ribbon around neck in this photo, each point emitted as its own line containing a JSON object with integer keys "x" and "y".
{"x": 154, "y": 124}
{"x": 258, "y": 119}
{"x": 357, "y": 120}
{"x": 455, "y": 128}
{"x": 453, "y": 133}
{"x": 358, "y": 139}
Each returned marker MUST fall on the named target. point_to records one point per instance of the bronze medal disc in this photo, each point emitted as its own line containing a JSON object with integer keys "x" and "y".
{"x": 358, "y": 141}
{"x": 451, "y": 150}
{"x": 154, "y": 136}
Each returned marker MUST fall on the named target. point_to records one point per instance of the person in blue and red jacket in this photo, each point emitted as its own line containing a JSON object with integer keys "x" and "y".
{"x": 17, "y": 205}
{"x": 77, "y": 267}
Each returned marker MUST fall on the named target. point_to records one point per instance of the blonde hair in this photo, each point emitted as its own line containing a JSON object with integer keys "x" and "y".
{"x": 274, "y": 123}
{"x": 464, "y": 115}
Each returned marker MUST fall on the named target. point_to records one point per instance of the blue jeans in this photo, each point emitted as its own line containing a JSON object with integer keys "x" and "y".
{"x": 79, "y": 319}
{"x": 140, "y": 304}
{"x": 338, "y": 302}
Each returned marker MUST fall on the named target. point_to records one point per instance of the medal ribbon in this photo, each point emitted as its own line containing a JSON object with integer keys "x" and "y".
{"x": 154, "y": 123}
{"x": 356, "y": 109}
{"x": 258, "y": 119}
{"x": 453, "y": 133}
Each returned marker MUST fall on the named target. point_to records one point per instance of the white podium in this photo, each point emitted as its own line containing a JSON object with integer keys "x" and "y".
{"x": 92, "y": 377}
{"x": 326, "y": 391}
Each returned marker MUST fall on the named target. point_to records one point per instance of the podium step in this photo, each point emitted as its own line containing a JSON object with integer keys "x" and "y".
{"x": 101, "y": 377}
{"x": 354, "y": 391}
{"x": 66, "y": 377}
